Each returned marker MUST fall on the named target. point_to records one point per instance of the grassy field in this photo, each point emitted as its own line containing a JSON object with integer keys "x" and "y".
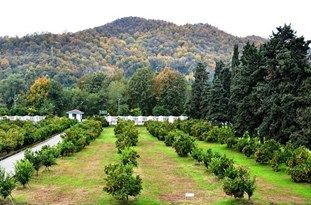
{"x": 166, "y": 178}
{"x": 279, "y": 184}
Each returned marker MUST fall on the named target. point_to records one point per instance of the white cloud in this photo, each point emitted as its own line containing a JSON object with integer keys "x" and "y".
{"x": 238, "y": 17}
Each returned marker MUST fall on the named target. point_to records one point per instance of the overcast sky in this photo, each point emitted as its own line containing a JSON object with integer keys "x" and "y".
{"x": 238, "y": 17}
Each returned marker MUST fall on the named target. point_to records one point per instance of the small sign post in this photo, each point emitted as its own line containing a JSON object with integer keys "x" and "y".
{"x": 189, "y": 195}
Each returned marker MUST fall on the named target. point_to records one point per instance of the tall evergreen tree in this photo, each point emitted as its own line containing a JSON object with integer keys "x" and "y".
{"x": 198, "y": 103}
{"x": 235, "y": 62}
{"x": 141, "y": 90}
{"x": 219, "y": 94}
{"x": 218, "y": 68}
{"x": 287, "y": 74}
{"x": 217, "y": 103}
{"x": 234, "y": 93}
{"x": 225, "y": 78}
{"x": 247, "y": 104}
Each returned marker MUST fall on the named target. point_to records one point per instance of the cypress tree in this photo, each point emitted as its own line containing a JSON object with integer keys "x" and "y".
{"x": 217, "y": 103}
{"x": 218, "y": 68}
{"x": 225, "y": 79}
{"x": 247, "y": 104}
{"x": 219, "y": 94}
{"x": 235, "y": 81}
{"x": 235, "y": 62}
{"x": 198, "y": 102}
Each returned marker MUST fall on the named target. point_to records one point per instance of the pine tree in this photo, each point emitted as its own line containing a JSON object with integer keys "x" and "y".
{"x": 287, "y": 74}
{"x": 200, "y": 89}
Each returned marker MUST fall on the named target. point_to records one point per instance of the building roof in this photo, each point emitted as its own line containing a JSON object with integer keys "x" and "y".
{"x": 75, "y": 112}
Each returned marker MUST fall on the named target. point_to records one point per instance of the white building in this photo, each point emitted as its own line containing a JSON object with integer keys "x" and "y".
{"x": 75, "y": 114}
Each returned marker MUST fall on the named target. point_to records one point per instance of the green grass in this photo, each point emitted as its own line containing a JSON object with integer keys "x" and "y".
{"x": 280, "y": 180}
{"x": 79, "y": 179}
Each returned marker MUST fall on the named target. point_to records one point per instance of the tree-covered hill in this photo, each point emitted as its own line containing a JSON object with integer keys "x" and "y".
{"x": 123, "y": 45}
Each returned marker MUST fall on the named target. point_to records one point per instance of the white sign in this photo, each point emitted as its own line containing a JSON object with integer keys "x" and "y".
{"x": 189, "y": 195}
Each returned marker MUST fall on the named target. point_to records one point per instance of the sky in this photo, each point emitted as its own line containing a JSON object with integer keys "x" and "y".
{"x": 237, "y": 17}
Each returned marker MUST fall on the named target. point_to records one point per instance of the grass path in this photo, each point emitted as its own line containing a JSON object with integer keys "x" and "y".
{"x": 277, "y": 187}
{"x": 168, "y": 177}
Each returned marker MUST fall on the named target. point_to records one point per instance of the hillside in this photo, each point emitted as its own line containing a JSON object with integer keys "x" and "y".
{"x": 126, "y": 44}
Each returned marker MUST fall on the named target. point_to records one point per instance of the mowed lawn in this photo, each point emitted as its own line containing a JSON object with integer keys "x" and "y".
{"x": 79, "y": 179}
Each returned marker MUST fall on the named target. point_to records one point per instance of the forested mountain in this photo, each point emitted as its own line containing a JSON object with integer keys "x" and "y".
{"x": 123, "y": 45}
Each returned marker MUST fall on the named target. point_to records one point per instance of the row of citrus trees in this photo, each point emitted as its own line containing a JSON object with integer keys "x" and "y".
{"x": 120, "y": 180}
{"x": 74, "y": 139}
{"x": 236, "y": 180}
{"x": 296, "y": 159}
{"x": 15, "y": 135}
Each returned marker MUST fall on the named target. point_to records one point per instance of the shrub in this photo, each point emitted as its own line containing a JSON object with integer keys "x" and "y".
{"x": 7, "y": 183}
{"x": 171, "y": 137}
{"x": 197, "y": 154}
{"x": 23, "y": 171}
{"x": 122, "y": 125}
{"x": 102, "y": 120}
{"x": 34, "y": 158}
{"x": 301, "y": 172}
{"x": 199, "y": 128}
{"x": 132, "y": 134}
{"x": 120, "y": 182}
{"x": 219, "y": 134}
{"x": 136, "y": 111}
{"x": 265, "y": 152}
{"x": 233, "y": 172}
{"x": 66, "y": 148}
{"x": 14, "y": 138}
{"x": 250, "y": 147}
{"x": 211, "y": 135}
{"x": 159, "y": 129}
{"x": 277, "y": 159}
{"x": 183, "y": 145}
{"x": 231, "y": 142}
{"x": 4, "y": 111}
{"x": 47, "y": 155}
{"x": 129, "y": 157}
{"x": 224, "y": 133}
{"x": 122, "y": 142}
{"x": 219, "y": 165}
{"x": 239, "y": 185}
{"x": 207, "y": 157}
{"x": 297, "y": 156}
{"x": 186, "y": 125}
{"x": 127, "y": 130}
{"x": 162, "y": 132}
{"x": 242, "y": 142}
{"x": 77, "y": 136}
